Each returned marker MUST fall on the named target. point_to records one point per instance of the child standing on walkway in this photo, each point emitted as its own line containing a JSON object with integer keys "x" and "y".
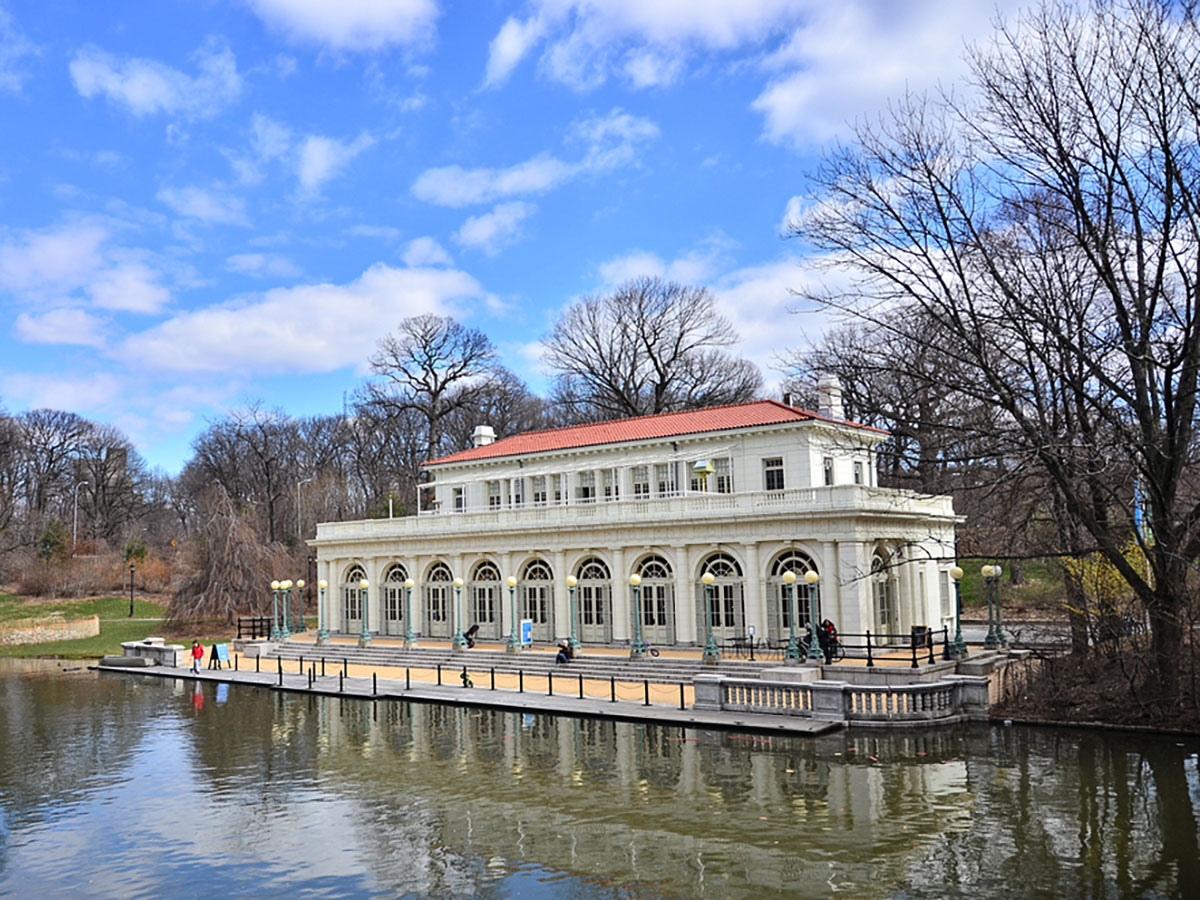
{"x": 197, "y": 655}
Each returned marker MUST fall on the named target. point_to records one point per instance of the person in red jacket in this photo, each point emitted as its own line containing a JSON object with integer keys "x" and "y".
{"x": 197, "y": 655}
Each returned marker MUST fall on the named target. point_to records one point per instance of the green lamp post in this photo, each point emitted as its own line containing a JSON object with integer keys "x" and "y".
{"x": 574, "y": 639}
{"x": 814, "y": 646}
{"x": 285, "y": 601}
{"x": 364, "y": 638}
{"x": 958, "y": 649}
{"x": 410, "y": 639}
{"x": 459, "y": 641}
{"x": 991, "y": 578}
{"x": 300, "y": 625}
{"x": 792, "y": 656}
{"x": 712, "y": 653}
{"x": 638, "y": 648}
{"x": 323, "y": 620}
{"x": 274, "y": 610}
{"x": 514, "y": 644}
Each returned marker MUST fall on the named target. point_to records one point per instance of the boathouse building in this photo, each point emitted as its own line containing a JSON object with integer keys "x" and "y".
{"x": 745, "y": 491}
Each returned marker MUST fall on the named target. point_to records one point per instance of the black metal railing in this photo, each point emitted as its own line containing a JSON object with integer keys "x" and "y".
{"x": 253, "y": 627}
{"x": 921, "y": 643}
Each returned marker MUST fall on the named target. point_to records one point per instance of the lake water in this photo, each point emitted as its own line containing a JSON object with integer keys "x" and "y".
{"x": 128, "y": 786}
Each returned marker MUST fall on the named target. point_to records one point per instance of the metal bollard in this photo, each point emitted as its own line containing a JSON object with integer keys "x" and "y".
{"x": 493, "y": 678}
{"x": 374, "y": 683}
{"x": 322, "y": 667}
{"x": 550, "y": 682}
{"x": 341, "y": 681}
{"x": 346, "y": 667}
{"x": 439, "y": 667}
{"x": 646, "y": 686}
{"x": 235, "y": 661}
{"x": 301, "y": 669}
{"x": 580, "y": 685}
{"x": 870, "y": 660}
{"x": 257, "y": 660}
{"x": 407, "y": 678}
{"x": 612, "y": 688}
{"x": 914, "y": 654}
{"x": 681, "y": 703}
{"x": 279, "y": 664}
{"x": 281, "y": 676}
{"x": 520, "y": 681}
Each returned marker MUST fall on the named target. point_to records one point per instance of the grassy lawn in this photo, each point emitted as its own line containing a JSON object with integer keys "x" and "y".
{"x": 14, "y": 608}
{"x": 1041, "y": 588}
{"x": 115, "y": 624}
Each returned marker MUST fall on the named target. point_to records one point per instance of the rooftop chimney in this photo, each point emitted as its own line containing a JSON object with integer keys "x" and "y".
{"x": 483, "y": 435}
{"x": 787, "y": 398}
{"x": 829, "y": 397}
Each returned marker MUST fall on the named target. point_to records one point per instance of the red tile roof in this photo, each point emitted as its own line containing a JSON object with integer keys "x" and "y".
{"x": 663, "y": 425}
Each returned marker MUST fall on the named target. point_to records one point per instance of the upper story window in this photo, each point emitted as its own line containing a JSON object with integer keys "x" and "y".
{"x": 641, "y": 481}
{"x": 517, "y": 491}
{"x": 722, "y": 478}
{"x": 773, "y": 473}
{"x": 829, "y": 470}
{"x": 493, "y": 490}
{"x": 612, "y": 485}
{"x": 585, "y": 488}
{"x": 664, "y": 475}
{"x": 944, "y": 592}
{"x": 538, "y": 487}
{"x": 556, "y": 487}
{"x": 459, "y": 500}
{"x": 858, "y": 473}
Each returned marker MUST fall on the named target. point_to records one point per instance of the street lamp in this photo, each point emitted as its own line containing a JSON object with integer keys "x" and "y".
{"x": 300, "y": 626}
{"x": 814, "y": 646}
{"x": 75, "y": 518}
{"x": 364, "y": 639}
{"x": 274, "y": 610}
{"x": 410, "y": 639}
{"x": 574, "y": 639}
{"x": 514, "y": 645}
{"x": 712, "y": 653}
{"x": 299, "y": 536}
{"x": 322, "y": 629}
{"x": 459, "y": 641}
{"x": 286, "y": 601}
{"x": 131, "y": 590}
{"x": 958, "y": 648}
{"x": 991, "y": 578}
{"x": 638, "y": 648}
{"x": 792, "y": 656}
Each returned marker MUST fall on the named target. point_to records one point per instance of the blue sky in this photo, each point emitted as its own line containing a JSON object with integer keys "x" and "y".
{"x": 212, "y": 202}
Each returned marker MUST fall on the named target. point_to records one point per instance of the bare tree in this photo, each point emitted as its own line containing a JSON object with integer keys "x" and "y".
{"x": 507, "y": 405}
{"x": 1050, "y": 226}
{"x": 433, "y": 366}
{"x": 651, "y": 346}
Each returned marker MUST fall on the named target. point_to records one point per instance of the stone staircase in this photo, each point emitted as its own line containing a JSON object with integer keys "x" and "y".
{"x": 660, "y": 670}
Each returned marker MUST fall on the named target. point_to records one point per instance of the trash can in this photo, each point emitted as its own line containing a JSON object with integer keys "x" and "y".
{"x": 922, "y": 637}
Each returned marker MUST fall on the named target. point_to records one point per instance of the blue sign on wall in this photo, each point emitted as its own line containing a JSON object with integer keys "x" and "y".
{"x": 527, "y": 631}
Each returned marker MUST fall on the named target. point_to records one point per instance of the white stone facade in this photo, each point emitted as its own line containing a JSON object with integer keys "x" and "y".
{"x": 746, "y": 503}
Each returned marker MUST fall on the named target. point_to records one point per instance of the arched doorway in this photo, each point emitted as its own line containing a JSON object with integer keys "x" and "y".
{"x": 438, "y": 584}
{"x": 728, "y": 612}
{"x": 883, "y": 596}
{"x": 595, "y": 601}
{"x": 801, "y": 607}
{"x": 352, "y": 600}
{"x": 393, "y": 599}
{"x": 658, "y": 600}
{"x": 537, "y": 599}
{"x": 485, "y": 600}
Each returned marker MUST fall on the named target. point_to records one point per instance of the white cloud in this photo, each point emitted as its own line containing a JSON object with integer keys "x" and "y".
{"x": 14, "y": 47}
{"x": 60, "y": 326}
{"x": 514, "y": 39}
{"x": 612, "y": 141}
{"x": 46, "y": 390}
{"x": 307, "y": 328}
{"x": 350, "y": 24}
{"x": 146, "y": 86}
{"x": 131, "y": 286}
{"x": 379, "y": 232}
{"x": 425, "y": 251}
{"x": 262, "y": 265}
{"x": 321, "y": 158}
{"x": 269, "y": 138}
{"x": 646, "y": 42}
{"x": 791, "y": 213}
{"x": 210, "y": 207}
{"x": 492, "y": 231}
{"x": 848, "y": 58}
{"x": 697, "y": 266}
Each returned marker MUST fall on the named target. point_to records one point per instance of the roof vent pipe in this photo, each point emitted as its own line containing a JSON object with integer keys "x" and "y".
{"x": 829, "y": 397}
{"x": 483, "y": 435}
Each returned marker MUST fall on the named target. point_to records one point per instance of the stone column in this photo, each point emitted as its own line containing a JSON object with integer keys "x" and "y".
{"x": 685, "y": 598}
{"x": 621, "y": 598}
{"x": 506, "y": 569}
{"x": 326, "y": 572}
{"x": 755, "y": 599}
{"x": 562, "y": 602}
{"x": 374, "y": 566}
{"x": 853, "y": 574}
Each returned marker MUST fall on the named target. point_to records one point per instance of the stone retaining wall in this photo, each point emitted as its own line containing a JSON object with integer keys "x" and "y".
{"x": 43, "y": 631}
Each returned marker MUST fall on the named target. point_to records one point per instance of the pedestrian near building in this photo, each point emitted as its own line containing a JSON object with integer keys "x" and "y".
{"x": 197, "y": 656}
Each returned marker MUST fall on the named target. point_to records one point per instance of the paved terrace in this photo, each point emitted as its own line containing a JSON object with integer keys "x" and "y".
{"x": 601, "y": 682}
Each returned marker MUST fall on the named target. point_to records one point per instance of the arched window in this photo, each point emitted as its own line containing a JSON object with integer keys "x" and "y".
{"x": 393, "y": 593}
{"x": 485, "y": 597}
{"x": 883, "y": 591}
{"x": 595, "y": 600}
{"x": 654, "y": 568}
{"x": 437, "y": 598}
{"x": 727, "y": 612}
{"x": 658, "y": 599}
{"x": 536, "y": 596}
{"x": 800, "y": 605}
{"x": 352, "y": 593}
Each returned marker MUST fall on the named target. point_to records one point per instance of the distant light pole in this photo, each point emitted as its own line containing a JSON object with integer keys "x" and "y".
{"x": 637, "y": 649}
{"x": 286, "y": 632}
{"x": 274, "y": 610}
{"x": 991, "y": 579}
{"x": 572, "y": 581}
{"x": 459, "y": 641}
{"x": 410, "y": 639}
{"x": 792, "y": 656}
{"x": 814, "y": 646}
{"x": 364, "y": 639}
{"x": 322, "y": 629}
{"x": 299, "y": 518}
{"x": 514, "y": 645}
{"x": 712, "y": 653}
{"x": 958, "y": 649}
{"x": 75, "y": 518}
{"x": 299, "y": 620}
{"x": 131, "y": 590}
